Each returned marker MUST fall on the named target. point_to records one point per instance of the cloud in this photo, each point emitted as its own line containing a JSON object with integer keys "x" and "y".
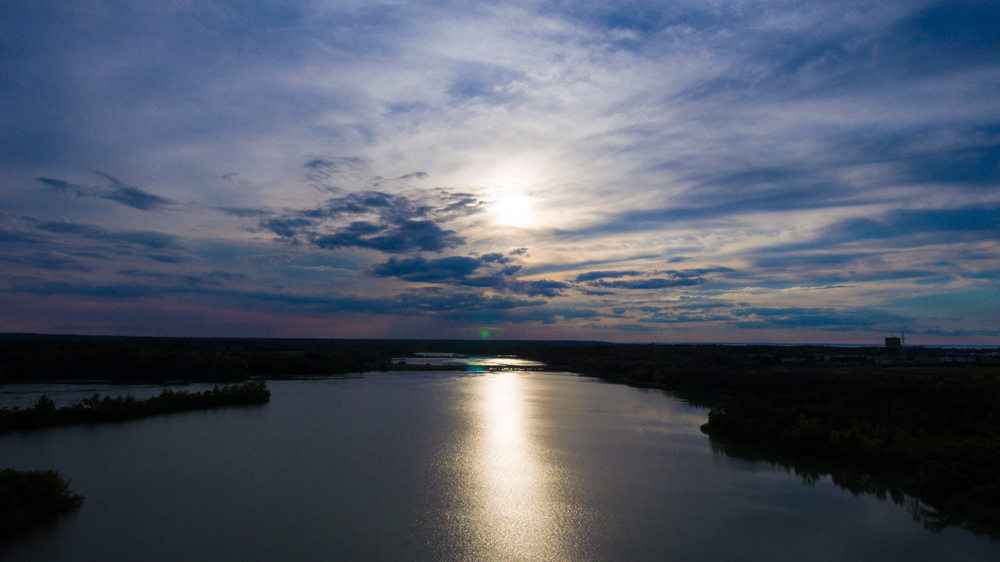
{"x": 18, "y": 237}
{"x": 541, "y": 287}
{"x": 456, "y": 268}
{"x": 823, "y": 318}
{"x": 407, "y": 236}
{"x": 116, "y": 190}
{"x": 696, "y": 272}
{"x": 376, "y": 220}
{"x": 109, "y": 291}
{"x": 677, "y": 278}
{"x": 918, "y": 227}
{"x": 155, "y": 240}
{"x": 623, "y": 327}
{"x": 552, "y": 315}
{"x": 494, "y": 258}
{"x": 286, "y": 228}
{"x": 486, "y": 271}
{"x": 334, "y": 174}
{"x": 593, "y": 275}
{"x": 655, "y": 283}
{"x": 46, "y": 260}
{"x": 445, "y": 304}
{"x": 166, "y": 258}
{"x": 488, "y": 83}
{"x": 244, "y": 212}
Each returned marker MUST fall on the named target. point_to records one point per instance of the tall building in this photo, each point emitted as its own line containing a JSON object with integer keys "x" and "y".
{"x": 892, "y": 345}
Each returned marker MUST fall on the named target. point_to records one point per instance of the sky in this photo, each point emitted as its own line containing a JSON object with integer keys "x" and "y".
{"x": 688, "y": 171}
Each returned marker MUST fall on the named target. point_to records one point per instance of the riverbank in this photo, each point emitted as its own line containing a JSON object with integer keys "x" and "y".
{"x": 937, "y": 437}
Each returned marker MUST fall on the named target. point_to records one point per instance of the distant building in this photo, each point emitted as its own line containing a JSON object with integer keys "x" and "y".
{"x": 892, "y": 345}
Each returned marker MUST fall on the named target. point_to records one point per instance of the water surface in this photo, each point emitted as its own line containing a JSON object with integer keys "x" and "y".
{"x": 449, "y": 466}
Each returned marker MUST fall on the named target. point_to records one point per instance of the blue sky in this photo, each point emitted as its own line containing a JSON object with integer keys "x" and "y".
{"x": 640, "y": 171}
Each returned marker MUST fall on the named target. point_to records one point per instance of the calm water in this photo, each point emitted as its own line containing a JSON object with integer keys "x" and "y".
{"x": 448, "y": 466}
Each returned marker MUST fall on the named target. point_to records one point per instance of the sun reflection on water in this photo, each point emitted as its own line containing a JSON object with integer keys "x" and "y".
{"x": 516, "y": 513}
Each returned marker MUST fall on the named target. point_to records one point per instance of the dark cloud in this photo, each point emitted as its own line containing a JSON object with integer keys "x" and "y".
{"x": 111, "y": 291}
{"x": 824, "y": 318}
{"x": 678, "y": 278}
{"x": 18, "y": 237}
{"x": 813, "y": 260}
{"x": 683, "y": 318}
{"x": 460, "y": 305}
{"x": 593, "y": 275}
{"x": 596, "y": 293}
{"x": 376, "y": 220}
{"x": 494, "y": 258}
{"x": 286, "y": 228}
{"x": 654, "y": 283}
{"x": 155, "y": 240}
{"x": 334, "y": 174}
{"x": 166, "y": 258}
{"x": 709, "y": 204}
{"x": 408, "y": 236}
{"x": 541, "y": 287}
{"x": 453, "y": 206}
{"x": 46, "y": 260}
{"x": 136, "y": 198}
{"x": 688, "y": 306}
{"x": 244, "y": 212}
{"x": 485, "y": 271}
{"x": 955, "y": 333}
{"x": 697, "y": 272}
{"x": 451, "y": 269}
{"x": 925, "y": 226}
{"x": 871, "y": 249}
{"x": 897, "y": 229}
{"x": 623, "y": 327}
{"x": 117, "y": 191}
{"x": 337, "y": 164}
{"x": 139, "y": 273}
{"x": 551, "y": 315}
{"x": 217, "y": 278}
{"x": 462, "y": 302}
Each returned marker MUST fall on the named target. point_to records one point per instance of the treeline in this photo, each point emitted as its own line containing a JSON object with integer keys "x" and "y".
{"x": 31, "y": 497}
{"x": 696, "y": 367}
{"x": 938, "y": 435}
{"x": 96, "y": 409}
{"x": 136, "y": 359}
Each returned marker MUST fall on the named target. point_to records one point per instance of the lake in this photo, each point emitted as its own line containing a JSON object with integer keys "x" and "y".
{"x": 449, "y": 466}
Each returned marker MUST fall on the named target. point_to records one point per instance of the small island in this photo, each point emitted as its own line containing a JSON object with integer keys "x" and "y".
{"x": 31, "y": 497}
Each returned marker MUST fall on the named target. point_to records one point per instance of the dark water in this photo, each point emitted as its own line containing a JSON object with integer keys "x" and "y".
{"x": 450, "y": 466}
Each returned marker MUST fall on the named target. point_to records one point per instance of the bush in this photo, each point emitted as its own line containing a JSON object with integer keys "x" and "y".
{"x": 31, "y": 497}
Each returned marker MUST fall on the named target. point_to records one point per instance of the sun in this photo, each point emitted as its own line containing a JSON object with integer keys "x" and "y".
{"x": 514, "y": 210}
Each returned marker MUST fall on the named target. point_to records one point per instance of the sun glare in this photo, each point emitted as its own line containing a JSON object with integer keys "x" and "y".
{"x": 514, "y": 210}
